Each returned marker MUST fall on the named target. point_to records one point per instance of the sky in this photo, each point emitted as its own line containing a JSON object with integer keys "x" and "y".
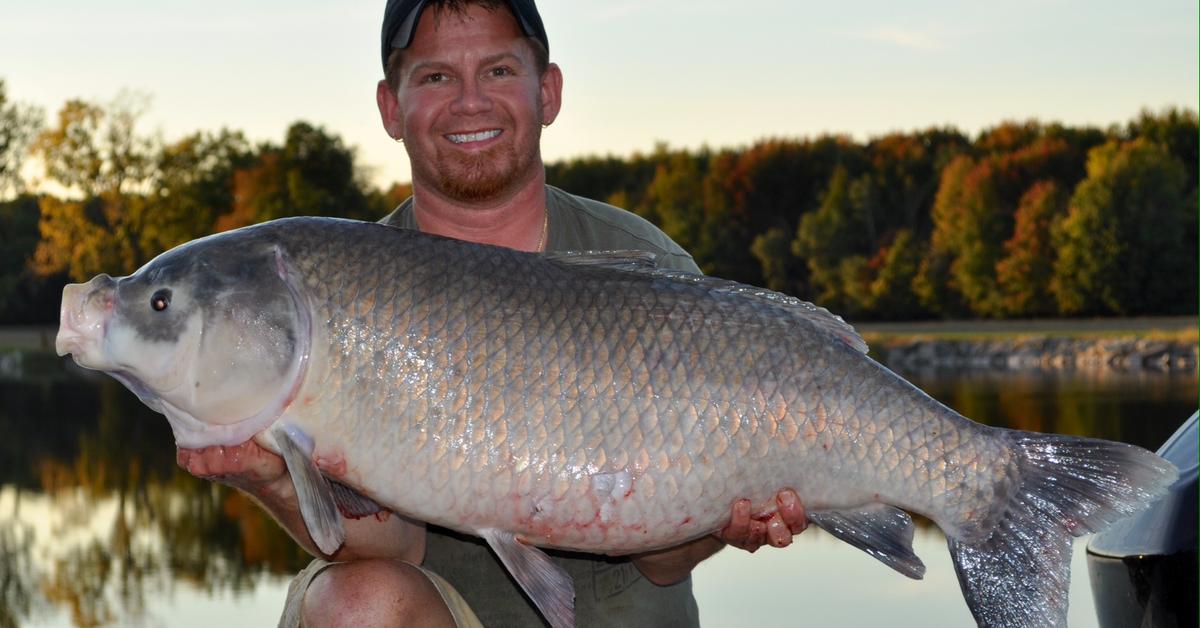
{"x": 688, "y": 73}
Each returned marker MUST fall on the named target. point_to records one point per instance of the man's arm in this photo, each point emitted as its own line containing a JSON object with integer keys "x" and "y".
{"x": 671, "y": 565}
{"x": 263, "y": 476}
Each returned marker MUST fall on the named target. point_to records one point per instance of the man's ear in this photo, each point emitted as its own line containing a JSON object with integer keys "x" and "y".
{"x": 389, "y": 110}
{"x": 551, "y": 93}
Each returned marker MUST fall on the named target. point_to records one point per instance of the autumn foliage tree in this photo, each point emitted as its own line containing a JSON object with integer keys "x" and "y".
{"x": 96, "y": 153}
{"x": 1025, "y": 219}
{"x": 975, "y": 213}
{"x": 1024, "y": 274}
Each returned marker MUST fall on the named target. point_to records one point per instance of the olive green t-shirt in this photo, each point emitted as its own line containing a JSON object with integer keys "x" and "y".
{"x": 609, "y": 592}
{"x": 581, "y": 224}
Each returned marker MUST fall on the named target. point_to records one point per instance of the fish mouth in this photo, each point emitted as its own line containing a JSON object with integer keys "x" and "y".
{"x": 83, "y": 320}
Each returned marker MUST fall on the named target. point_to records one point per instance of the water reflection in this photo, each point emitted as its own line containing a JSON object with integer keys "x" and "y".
{"x": 1141, "y": 408}
{"x": 99, "y": 525}
{"x": 95, "y": 517}
{"x": 16, "y": 566}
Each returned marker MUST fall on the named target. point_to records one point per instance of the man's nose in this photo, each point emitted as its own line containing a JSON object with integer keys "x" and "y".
{"x": 472, "y": 99}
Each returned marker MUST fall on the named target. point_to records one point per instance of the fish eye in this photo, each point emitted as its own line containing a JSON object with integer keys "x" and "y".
{"x": 160, "y": 300}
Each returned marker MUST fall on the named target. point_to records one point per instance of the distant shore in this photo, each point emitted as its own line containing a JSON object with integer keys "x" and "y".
{"x": 1147, "y": 326}
{"x": 27, "y": 338}
{"x": 1148, "y": 343}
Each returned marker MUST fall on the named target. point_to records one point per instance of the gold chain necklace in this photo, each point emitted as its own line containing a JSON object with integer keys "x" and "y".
{"x": 545, "y": 230}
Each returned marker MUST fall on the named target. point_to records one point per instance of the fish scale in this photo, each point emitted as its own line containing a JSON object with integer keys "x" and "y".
{"x": 588, "y": 402}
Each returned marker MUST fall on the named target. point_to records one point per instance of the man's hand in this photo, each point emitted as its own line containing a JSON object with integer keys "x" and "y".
{"x": 247, "y": 466}
{"x": 750, "y": 533}
{"x": 671, "y": 565}
{"x": 263, "y": 476}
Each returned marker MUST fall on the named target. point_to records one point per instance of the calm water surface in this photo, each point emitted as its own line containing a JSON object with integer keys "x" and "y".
{"x": 99, "y": 527}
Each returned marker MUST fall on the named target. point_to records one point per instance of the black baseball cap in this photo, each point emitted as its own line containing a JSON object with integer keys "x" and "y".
{"x": 400, "y": 20}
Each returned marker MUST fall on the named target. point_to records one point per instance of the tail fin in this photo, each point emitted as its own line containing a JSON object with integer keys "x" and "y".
{"x": 1019, "y": 575}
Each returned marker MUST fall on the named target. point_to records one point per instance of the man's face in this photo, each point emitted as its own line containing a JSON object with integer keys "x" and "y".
{"x": 471, "y": 104}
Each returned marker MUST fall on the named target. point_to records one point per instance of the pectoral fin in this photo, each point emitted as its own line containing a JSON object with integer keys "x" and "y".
{"x": 883, "y": 531}
{"x": 550, "y": 588}
{"x": 317, "y": 505}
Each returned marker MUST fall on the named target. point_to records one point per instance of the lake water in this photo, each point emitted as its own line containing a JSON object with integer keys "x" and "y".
{"x": 99, "y": 527}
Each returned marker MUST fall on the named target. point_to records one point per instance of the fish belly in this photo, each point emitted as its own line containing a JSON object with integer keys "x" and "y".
{"x": 605, "y": 473}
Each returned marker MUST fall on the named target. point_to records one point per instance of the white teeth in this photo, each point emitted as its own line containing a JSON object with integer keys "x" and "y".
{"x": 462, "y": 138}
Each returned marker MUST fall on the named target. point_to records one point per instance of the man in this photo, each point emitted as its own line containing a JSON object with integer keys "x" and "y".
{"x": 468, "y": 89}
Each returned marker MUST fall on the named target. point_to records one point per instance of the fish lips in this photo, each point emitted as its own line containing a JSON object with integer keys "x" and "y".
{"x": 83, "y": 320}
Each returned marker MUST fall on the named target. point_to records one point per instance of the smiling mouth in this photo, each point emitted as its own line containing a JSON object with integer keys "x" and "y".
{"x": 478, "y": 136}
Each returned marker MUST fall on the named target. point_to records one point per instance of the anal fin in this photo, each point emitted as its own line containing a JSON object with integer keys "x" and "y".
{"x": 317, "y": 505}
{"x": 883, "y": 531}
{"x": 547, "y": 584}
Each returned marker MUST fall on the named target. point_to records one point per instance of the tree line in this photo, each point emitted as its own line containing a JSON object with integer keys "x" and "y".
{"x": 1025, "y": 219}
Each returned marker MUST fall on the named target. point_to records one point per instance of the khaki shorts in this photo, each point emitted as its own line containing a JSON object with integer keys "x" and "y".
{"x": 464, "y": 617}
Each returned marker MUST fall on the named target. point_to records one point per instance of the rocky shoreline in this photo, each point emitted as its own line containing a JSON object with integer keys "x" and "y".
{"x": 1042, "y": 353}
{"x": 914, "y": 350}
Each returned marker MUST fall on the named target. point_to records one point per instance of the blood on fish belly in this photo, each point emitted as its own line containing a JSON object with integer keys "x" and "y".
{"x": 606, "y": 514}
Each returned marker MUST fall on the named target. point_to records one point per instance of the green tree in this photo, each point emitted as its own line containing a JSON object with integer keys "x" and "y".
{"x": 1175, "y": 129}
{"x": 829, "y": 236}
{"x": 773, "y": 250}
{"x": 1128, "y": 243}
{"x": 312, "y": 174}
{"x": 19, "y": 125}
{"x": 193, "y": 186}
{"x": 96, "y": 150}
{"x": 854, "y": 277}
{"x": 322, "y": 178}
{"x": 70, "y": 151}
{"x": 937, "y": 280}
{"x": 675, "y": 199}
{"x": 607, "y": 177}
{"x": 982, "y": 228}
{"x": 24, "y": 298}
{"x": 770, "y": 184}
{"x": 891, "y": 291}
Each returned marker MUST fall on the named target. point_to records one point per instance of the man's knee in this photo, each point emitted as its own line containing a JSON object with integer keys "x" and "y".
{"x": 374, "y": 593}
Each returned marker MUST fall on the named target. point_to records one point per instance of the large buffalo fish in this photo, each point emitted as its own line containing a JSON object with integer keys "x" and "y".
{"x": 582, "y": 401}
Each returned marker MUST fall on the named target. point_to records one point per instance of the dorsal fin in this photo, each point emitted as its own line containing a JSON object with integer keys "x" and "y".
{"x": 619, "y": 260}
{"x": 822, "y": 318}
{"x": 643, "y": 263}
